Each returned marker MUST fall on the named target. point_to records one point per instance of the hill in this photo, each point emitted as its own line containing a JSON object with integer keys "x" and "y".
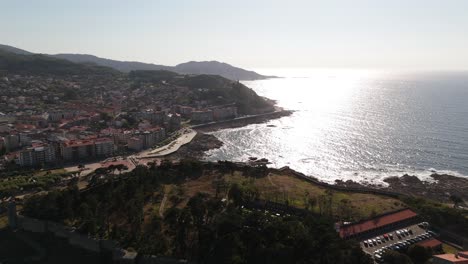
{"x": 36, "y": 64}
{"x": 226, "y": 91}
{"x": 193, "y": 67}
{"x": 211, "y": 89}
{"x": 14, "y": 50}
{"x": 202, "y": 213}
{"x": 123, "y": 66}
{"x": 218, "y": 68}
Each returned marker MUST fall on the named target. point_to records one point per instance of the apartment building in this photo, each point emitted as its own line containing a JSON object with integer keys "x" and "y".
{"x": 38, "y": 154}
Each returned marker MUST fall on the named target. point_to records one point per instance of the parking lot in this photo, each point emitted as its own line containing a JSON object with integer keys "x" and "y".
{"x": 384, "y": 241}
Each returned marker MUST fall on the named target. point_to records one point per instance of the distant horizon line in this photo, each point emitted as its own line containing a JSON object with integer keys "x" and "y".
{"x": 256, "y": 68}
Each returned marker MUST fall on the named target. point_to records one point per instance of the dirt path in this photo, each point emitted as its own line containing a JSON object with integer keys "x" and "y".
{"x": 270, "y": 180}
{"x": 163, "y": 203}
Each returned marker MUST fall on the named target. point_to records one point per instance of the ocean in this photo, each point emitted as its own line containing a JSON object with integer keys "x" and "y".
{"x": 358, "y": 125}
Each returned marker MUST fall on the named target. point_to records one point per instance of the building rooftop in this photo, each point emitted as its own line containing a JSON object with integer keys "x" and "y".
{"x": 431, "y": 243}
{"x": 100, "y": 140}
{"x": 78, "y": 143}
{"x": 380, "y": 221}
{"x": 453, "y": 258}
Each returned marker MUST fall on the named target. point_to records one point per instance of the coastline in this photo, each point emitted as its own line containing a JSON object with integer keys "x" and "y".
{"x": 441, "y": 188}
{"x": 242, "y": 121}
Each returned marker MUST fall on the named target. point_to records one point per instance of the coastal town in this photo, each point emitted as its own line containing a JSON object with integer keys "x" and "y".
{"x": 104, "y": 165}
{"x": 45, "y": 123}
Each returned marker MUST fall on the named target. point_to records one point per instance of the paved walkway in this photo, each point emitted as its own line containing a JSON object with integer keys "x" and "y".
{"x": 172, "y": 147}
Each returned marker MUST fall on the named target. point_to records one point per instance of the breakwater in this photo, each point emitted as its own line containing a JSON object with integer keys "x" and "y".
{"x": 242, "y": 121}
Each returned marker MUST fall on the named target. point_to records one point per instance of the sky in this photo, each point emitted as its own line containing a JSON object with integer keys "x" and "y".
{"x": 416, "y": 34}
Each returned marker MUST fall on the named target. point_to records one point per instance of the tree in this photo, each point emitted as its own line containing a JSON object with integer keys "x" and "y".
{"x": 419, "y": 254}
{"x": 344, "y": 209}
{"x": 236, "y": 194}
{"x": 120, "y": 167}
{"x": 393, "y": 257}
{"x": 456, "y": 200}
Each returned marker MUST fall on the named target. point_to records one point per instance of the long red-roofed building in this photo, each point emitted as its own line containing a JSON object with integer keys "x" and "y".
{"x": 431, "y": 243}
{"x": 379, "y": 224}
{"x": 459, "y": 258}
{"x": 87, "y": 148}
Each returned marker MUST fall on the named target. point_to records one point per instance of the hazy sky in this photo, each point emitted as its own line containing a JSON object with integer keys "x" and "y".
{"x": 247, "y": 33}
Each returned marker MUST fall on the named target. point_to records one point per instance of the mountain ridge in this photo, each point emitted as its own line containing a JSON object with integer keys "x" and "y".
{"x": 212, "y": 67}
{"x": 44, "y": 65}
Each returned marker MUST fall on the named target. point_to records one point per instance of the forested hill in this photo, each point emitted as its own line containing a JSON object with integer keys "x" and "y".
{"x": 36, "y": 64}
{"x": 193, "y": 67}
{"x": 213, "y": 89}
{"x": 123, "y": 66}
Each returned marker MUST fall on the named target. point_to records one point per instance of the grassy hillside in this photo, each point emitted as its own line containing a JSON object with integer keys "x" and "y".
{"x": 284, "y": 188}
{"x": 195, "y": 211}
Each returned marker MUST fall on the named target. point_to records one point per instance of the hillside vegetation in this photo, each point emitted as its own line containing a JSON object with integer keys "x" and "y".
{"x": 12, "y": 63}
{"x": 196, "y": 211}
{"x": 192, "y": 67}
{"x": 212, "y": 87}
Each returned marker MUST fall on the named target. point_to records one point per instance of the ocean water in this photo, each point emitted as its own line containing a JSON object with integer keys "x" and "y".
{"x": 359, "y": 125}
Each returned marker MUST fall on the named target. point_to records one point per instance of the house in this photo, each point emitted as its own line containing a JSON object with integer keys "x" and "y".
{"x": 433, "y": 244}
{"x": 459, "y": 258}
{"x": 378, "y": 225}
{"x": 146, "y": 138}
{"x": 11, "y": 142}
{"x": 174, "y": 123}
{"x": 77, "y": 149}
{"x": 36, "y": 155}
{"x": 135, "y": 143}
{"x": 202, "y": 116}
{"x": 104, "y": 147}
{"x": 185, "y": 111}
{"x": 73, "y": 150}
{"x": 56, "y": 116}
{"x": 224, "y": 113}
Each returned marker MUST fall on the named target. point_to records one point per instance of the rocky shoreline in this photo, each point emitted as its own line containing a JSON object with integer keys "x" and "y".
{"x": 441, "y": 189}
{"x": 197, "y": 147}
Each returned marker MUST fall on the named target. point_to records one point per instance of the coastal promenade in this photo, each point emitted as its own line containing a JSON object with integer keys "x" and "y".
{"x": 130, "y": 161}
{"x": 186, "y": 137}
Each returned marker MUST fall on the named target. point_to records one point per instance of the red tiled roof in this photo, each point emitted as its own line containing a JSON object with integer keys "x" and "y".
{"x": 102, "y": 140}
{"x": 77, "y": 143}
{"x": 90, "y": 141}
{"x": 431, "y": 243}
{"x": 377, "y": 222}
{"x": 24, "y": 126}
{"x": 451, "y": 258}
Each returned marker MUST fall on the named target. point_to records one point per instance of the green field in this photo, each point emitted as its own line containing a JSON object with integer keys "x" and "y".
{"x": 27, "y": 181}
{"x": 289, "y": 189}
